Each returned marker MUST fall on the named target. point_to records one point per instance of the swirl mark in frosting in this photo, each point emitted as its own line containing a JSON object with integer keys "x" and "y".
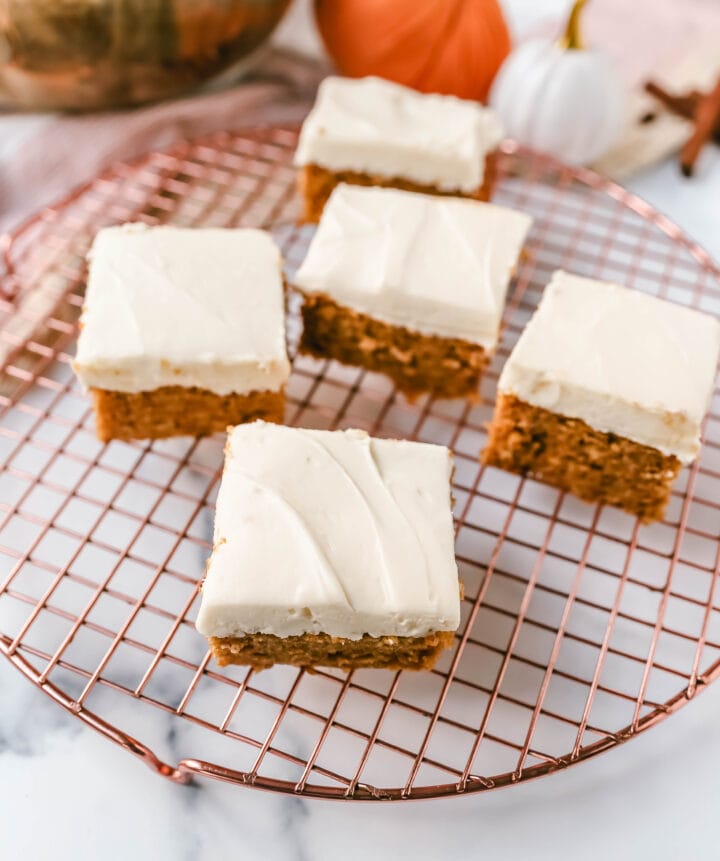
{"x": 330, "y": 580}
{"x": 358, "y": 530}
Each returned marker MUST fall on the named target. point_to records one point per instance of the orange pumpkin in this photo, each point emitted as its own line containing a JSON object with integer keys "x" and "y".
{"x": 438, "y": 46}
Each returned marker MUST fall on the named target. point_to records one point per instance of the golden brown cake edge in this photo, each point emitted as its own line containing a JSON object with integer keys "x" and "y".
{"x": 179, "y": 410}
{"x": 416, "y": 363}
{"x": 316, "y": 184}
{"x": 569, "y": 454}
{"x": 262, "y": 651}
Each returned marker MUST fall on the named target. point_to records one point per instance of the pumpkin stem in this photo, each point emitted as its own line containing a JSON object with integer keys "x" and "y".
{"x": 571, "y": 39}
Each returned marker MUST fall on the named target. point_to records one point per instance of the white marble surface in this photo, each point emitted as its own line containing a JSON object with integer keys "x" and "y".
{"x": 66, "y": 793}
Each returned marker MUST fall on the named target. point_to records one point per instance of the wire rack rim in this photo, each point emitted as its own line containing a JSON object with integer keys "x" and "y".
{"x": 187, "y": 769}
{"x": 508, "y": 147}
{"x": 9, "y": 237}
{"x": 628, "y": 198}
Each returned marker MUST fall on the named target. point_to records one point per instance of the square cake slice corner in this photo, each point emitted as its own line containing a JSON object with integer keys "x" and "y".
{"x": 182, "y": 330}
{"x": 410, "y": 285}
{"x": 369, "y": 131}
{"x": 605, "y": 394}
{"x": 331, "y": 548}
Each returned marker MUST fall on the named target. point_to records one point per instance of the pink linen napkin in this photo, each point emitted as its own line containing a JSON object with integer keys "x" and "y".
{"x": 66, "y": 150}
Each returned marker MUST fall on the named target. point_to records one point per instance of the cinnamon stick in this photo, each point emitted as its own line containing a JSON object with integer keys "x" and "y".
{"x": 707, "y": 116}
{"x": 683, "y": 106}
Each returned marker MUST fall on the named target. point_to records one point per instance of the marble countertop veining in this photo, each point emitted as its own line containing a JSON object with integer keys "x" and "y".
{"x": 66, "y": 793}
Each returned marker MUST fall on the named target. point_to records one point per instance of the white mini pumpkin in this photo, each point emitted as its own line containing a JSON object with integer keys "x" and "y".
{"x": 560, "y": 97}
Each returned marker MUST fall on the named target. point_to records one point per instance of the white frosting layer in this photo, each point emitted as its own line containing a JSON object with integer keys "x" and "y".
{"x": 620, "y": 360}
{"x": 437, "y": 265}
{"x": 167, "y": 306}
{"x": 331, "y": 532}
{"x": 373, "y": 126}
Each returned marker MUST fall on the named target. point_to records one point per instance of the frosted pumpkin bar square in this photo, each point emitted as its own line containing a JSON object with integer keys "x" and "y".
{"x": 369, "y": 131}
{"x": 331, "y": 548}
{"x": 182, "y": 331}
{"x": 410, "y": 285}
{"x": 605, "y": 393}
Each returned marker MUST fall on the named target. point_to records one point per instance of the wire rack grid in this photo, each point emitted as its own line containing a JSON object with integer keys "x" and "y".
{"x": 580, "y": 627}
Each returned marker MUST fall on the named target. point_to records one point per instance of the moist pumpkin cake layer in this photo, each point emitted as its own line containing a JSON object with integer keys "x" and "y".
{"x": 316, "y": 184}
{"x": 182, "y": 331}
{"x": 178, "y": 410}
{"x": 571, "y": 455}
{"x": 368, "y": 131}
{"x": 605, "y": 393}
{"x": 416, "y": 363}
{"x": 331, "y": 548}
{"x": 411, "y": 285}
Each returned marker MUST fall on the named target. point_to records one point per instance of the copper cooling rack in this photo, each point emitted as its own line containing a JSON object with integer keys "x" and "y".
{"x": 580, "y": 628}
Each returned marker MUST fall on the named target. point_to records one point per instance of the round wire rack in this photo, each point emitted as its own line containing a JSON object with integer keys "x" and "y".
{"x": 580, "y": 627}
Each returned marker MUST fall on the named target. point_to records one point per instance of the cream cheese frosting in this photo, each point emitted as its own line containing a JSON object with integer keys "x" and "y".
{"x": 373, "y": 126}
{"x": 436, "y": 265}
{"x": 331, "y": 532}
{"x": 168, "y": 306}
{"x": 622, "y": 361}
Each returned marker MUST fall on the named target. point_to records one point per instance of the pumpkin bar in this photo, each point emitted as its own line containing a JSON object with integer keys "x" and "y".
{"x": 605, "y": 393}
{"x": 331, "y": 548}
{"x": 369, "y": 131}
{"x": 410, "y": 285}
{"x": 182, "y": 331}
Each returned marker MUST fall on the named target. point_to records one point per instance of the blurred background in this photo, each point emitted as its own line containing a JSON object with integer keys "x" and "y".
{"x": 139, "y": 74}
